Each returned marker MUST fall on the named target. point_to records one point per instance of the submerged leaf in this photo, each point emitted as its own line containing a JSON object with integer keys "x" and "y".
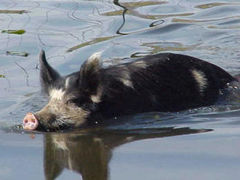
{"x": 13, "y": 11}
{"x": 94, "y": 41}
{"x": 211, "y": 5}
{"x": 16, "y": 53}
{"x": 19, "y": 32}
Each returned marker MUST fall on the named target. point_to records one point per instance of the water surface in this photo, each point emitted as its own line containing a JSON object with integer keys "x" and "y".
{"x": 197, "y": 144}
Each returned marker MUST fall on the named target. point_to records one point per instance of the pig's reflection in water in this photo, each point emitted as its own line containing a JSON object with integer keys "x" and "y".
{"x": 89, "y": 152}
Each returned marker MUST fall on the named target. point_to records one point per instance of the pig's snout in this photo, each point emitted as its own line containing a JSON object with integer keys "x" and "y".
{"x": 30, "y": 122}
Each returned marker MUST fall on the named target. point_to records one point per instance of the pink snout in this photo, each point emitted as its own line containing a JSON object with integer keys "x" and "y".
{"x": 30, "y": 122}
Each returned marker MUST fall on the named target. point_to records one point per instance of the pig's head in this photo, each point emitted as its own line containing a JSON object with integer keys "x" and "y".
{"x": 71, "y": 98}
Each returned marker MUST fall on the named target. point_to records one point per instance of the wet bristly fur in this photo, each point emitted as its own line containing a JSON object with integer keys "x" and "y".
{"x": 163, "y": 82}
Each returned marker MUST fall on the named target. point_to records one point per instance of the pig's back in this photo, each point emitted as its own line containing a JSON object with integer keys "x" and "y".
{"x": 161, "y": 82}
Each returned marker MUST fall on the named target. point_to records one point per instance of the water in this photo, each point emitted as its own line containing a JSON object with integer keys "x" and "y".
{"x": 197, "y": 144}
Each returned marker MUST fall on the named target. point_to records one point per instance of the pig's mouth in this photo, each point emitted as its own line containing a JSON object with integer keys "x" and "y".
{"x": 32, "y": 123}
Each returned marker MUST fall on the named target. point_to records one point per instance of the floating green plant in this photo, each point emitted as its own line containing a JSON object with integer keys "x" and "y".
{"x": 2, "y": 76}
{"x": 18, "y": 32}
{"x": 16, "y": 53}
{"x": 94, "y": 41}
{"x": 13, "y": 11}
{"x": 210, "y": 5}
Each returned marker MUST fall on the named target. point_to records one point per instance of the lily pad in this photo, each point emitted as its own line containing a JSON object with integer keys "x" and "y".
{"x": 18, "y": 32}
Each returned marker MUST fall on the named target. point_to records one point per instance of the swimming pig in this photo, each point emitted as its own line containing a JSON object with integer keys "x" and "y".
{"x": 162, "y": 82}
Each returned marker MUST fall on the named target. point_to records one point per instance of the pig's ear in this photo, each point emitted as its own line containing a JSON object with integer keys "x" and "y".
{"x": 89, "y": 72}
{"x": 48, "y": 75}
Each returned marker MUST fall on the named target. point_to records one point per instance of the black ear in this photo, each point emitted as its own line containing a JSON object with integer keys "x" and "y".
{"x": 48, "y": 76}
{"x": 89, "y": 73}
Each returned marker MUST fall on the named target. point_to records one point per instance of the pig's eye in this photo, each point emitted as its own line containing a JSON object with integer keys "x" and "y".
{"x": 71, "y": 101}
{"x": 83, "y": 102}
{"x": 78, "y": 101}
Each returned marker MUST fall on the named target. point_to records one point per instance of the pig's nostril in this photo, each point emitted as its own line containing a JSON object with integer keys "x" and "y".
{"x": 33, "y": 120}
{"x": 25, "y": 121}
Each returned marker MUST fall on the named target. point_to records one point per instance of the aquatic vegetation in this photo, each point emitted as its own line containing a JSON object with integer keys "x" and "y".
{"x": 211, "y": 5}
{"x": 13, "y": 11}
{"x": 16, "y": 53}
{"x": 94, "y": 41}
{"x": 18, "y": 32}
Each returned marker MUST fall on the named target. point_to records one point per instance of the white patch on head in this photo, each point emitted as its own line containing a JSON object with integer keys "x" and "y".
{"x": 67, "y": 82}
{"x": 201, "y": 79}
{"x": 94, "y": 57}
{"x": 56, "y": 94}
{"x": 140, "y": 64}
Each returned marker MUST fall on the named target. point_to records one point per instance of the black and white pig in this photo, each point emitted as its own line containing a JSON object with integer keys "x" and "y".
{"x": 162, "y": 82}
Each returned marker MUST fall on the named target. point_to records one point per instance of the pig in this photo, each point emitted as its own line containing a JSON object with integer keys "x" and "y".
{"x": 164, "y": 82}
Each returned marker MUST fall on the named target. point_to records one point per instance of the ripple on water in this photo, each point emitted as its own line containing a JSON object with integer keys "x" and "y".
{"x": 143, "y": 146}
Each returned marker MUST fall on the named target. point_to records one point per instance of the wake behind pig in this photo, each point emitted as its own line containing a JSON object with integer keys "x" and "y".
{"x": 163, "y": 82}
